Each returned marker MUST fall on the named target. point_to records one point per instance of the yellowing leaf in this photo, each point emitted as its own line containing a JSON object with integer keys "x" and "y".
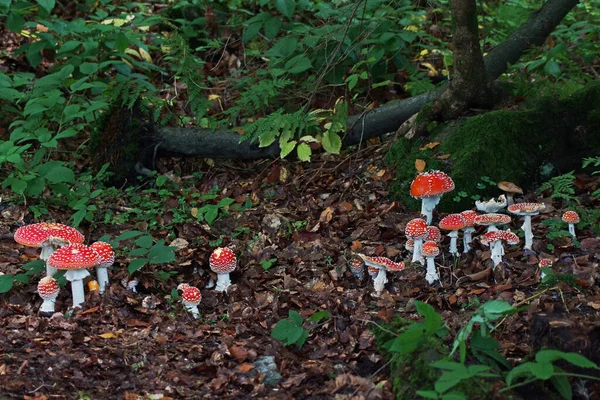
{"x": 214, "y": 97}
{"x": 443, "y": 156}
{"x": 194, "y": 211}
{"x": 432, "y": 71}
{"x": 429, "y": 145}
{"x": 420, "y": 165}
{"x": 145, "y": 55}
{"x": 108, "y": 335}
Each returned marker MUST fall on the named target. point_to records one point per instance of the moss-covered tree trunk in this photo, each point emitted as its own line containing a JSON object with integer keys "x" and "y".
{"x": 470, "y": 85}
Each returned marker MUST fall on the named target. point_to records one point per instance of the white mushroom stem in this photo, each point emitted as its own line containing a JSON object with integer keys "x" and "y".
{"x": 223, "y": 282}
{"x": 432, "y": 275}
{"x": 453, "y": 235}
{"x": 380, "y": 281}
{"x": 76, "y": 276}
{"x": 48, "y": 305}
{"x": 497, "y": 251}
{"x": 467, "y": 239}
{"x": 572, "y": 230}
{"x": 102, "y": 273}
{"x": 47, "y": 251}
{"x": 428, "y": 205}
{"x": 194, "y": 310}
{"x": 491, "y": 228}
{"x": 510, "y": 200}
{"x": 528, "y": 233}
{"x": 417, "y": 256}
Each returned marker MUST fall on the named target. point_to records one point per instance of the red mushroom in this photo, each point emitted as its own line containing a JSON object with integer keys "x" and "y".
{"x": 453, "y": 223}
{"x": 491, "y": 220}
{"x": 416, "y": 229}
{"x": 571, "y": 218}
{"x": 527, "y": 210}
{"x": 469, "y": 216}
{"x": 222, "y": 261}
{"x": 190, "y": 298}
{"x": 494, "y": 240}
{"x": 433, "y": 234}
{"x": 357, "y": 266}
{"x": 48, "y": 236}
{"x": 75, "y": 259}
{"x": 431, "y": 250}
{"x": 544, "y": 263}
{"x": 429, "y": 187}
{"x": 107, "y": 259}
{"x": 48, "y": 290}
{"x": 383, "y": 264}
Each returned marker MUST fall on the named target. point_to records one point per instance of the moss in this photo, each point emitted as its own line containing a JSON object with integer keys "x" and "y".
{"x": 507, "y": 145}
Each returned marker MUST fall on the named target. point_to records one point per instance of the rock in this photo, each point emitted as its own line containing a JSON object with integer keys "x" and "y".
{"x": 266, "y": 366}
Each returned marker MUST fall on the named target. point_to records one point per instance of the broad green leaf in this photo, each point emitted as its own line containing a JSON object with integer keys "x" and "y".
{"x": 454, "y": 396}
{"x": 428, "y": 394}
{"x": 448, "y": 365}
{"x": 121, "y": 42}
{"x": 272, "y": 27}
{"x": 161, "y": 180}
{"x": 6, "y": 282}
{"x": 15, "y": 22}
{"x": 88, "y": 68}
{"x": 286, "y": 7}
{"x": 139, "y": 252}
{"x": 549, "y": 356}
{"x": 518, "y": 372}
{"x": 302, "y": 339}
{"x": 22, "y": 278}
{"x": 286, "y": 148}
{"x": 210, "y": 212}
{"x": 227, "y": 201}
{"x": 552, "y": 68}
{"x": 47, "y": 5}
{"x": 145, "y": 241}
{"x": 319, "y": 315}
{"x": 295, "y": 318}
{"x": 160, "y": 254}
{"x": 495, "y": 309}
{"x": 287, "y": 332}
{"x": 283, "y": 47}
{"x": 35, "y": 266}
{"x": 408, "y": 340}
{"x": 128, "y": 235}
{"x": 266, "y": 139}
{"x": 304, "y": 152}
{"x": 298, "y": 64}
{"x": 68, "y": 47}
{"x": 450, "y": 379}
{"x": 59, "y": 174}
{"x": 433, "y": 320}
{"x": 331, "y": 142}
{"x": 136, "y": 265}
{"x": 251, "y": 31}
{"x": 561, "y": 384}
{"x": 78, "y": 217}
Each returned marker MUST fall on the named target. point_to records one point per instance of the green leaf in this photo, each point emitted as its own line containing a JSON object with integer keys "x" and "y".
{"x": 59, "y": 174}
{"x": 22, "y": 278}
{"x": 302, "y": 339}
{"x": 454, "y": 396}
{"x": 561, "y": 384}
{"x": 272, "y": 27}
{"x": 319, "y": 315}
{"x": 6, "y": 283}
{"x": 47, "y": 5}
{"x": 408, "y": 340}
{"x": 552, "y": 68}
{"x": 128, "y": 235}
{"x": 161, "y": 180}
{"x": 34, "y": 267}
{"x": 160, "y": 254}
{"x": 433, "y": 320}
{"x": 15, "y": 22}
{"x": 304, "y": 152}
{"x": 287, "y": 332}
{"x": 286, "y": 148}
{"x": 139, "y": 252}
{"x": 78, "y": 217}
{"x": 210, "y": 212}
{"x": 331, "y": 142}
{"x": 549, "y": 356}
{"x": 88, "y": 68}
{"x": 495, "y": 309}
{"x": 283, "y": 47}
{"x": 251, "y": 31}
{"x": 451, "y": 379}
{"x": 295, "y": 318}
{"x": 145, "y": 241}
{"x": 225, "y": 202}
{"x": 428, "y": 394}
{"x": 298, "y": 64}
{"x": 286, "y": 7}
{"x": 136, "y": 265}
{"x": 121, "y": 42}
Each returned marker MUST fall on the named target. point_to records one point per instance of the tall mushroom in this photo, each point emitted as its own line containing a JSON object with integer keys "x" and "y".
{"x": 383, "y": 264}
{"x": 48, "y": 236}
{"x": 527, "y": 210}
{"x": 469, "y": 216}
{"x": 107, "y": 259}
{"x": 431, "y": 250}
{"x": 75, "y": 259}
{"x": 222, "y": 261}
{"x": 190, "y": 298}
{"x": 492, "y": 205}
{"x": 48, "y": 290}
{"x": 453, "y": 223}
{"x": 494, "y": 240}
{"x": 429, "y": 187}
{"x": 416, "y": 229}
{"x": 491, "y": 220}
{"x": 571, "y": 218}
{"x": 510, "y": 189}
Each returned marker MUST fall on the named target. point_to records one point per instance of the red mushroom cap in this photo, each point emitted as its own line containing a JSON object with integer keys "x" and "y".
{"x": 222, "y": 260}
{"x": 416, "y": 228}
{"x": 36, "y": 234}
{"x": 191, "y": 296}
{"x": 492, "y": 219}
{"x": 570, "y": 217}
{"x": 452, "y": 222}
{"x": 373, "y": 271}
{"x": 31, "y": 235}
{"x": 106, "y": 253}
{"x": 48, "y": 288}
{"x": 430, "y": 184}
{"x": 469, "y": 216}
{"x": 382, "y": 263}
{"x": 526, "y": 208}
{"x": 493, "y": 236}
{"x": 356, "y": 265}
{"x": 430, "y": 249}
{"x": 545, "y": 262}
{"x": 74, "y": 256}
{"x": 433, "y": 234}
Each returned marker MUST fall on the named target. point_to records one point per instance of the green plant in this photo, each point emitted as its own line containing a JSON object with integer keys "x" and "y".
{"x": 291, "y": 331}
{"x": 31, "y": 268}
{"x": 562, "y": 187}
{"x": 267, "y": 264}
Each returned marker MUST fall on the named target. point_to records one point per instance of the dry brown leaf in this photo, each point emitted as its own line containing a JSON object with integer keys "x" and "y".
{"x": 429, "y": 145}
{"x": 356, "y": 245}
{"x": 90, "y": 311}
{"x": 443, "y": 156}
{"x": 347, "y": 206}
{"x": 245, "y": 367}
{"x": 420, "y": 165}
{"x": 326, "y": 215}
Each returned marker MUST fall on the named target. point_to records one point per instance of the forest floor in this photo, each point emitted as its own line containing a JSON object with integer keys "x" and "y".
{"x": 310, "y": 217}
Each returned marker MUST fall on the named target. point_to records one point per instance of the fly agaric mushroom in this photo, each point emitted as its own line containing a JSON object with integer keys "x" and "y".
{"x": 357, "y": 266}
{"x": 469, "y": 216}
{"x": 222, "y": 261}
{"x": 75, "y": 259}
{"x": 48, "y": 290}
{"x": 431, "y": 250}
{"x": 510, "y": 189}
{"x": 527, "y": 210}
{"x": 571, "y": 218}
{"x": 409, "y": 245}
{"x": 494, "y": 240}
{"x": 432, "y": 234}
{"x": 491, "y": 220}
{"x": 107, "y": 259}
{"x": 416, "y": 229}
{"x": 544, "y": 263}
{"x": 383, "y": 264}
{"x": 429, "y": 187}
{"x": 190, "y": 298}
{"x": 48, "y": 236}
{"x": 453, "y": 223}
{"x": 492, "y": 205}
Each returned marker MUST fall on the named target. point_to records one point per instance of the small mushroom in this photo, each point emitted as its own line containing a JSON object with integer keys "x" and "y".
{"x": 383, "y": 264}
{"x": 469, "y": 228}
{"x": 431, "y": 250}
{"x": 48, "y": 290}
{"x": 544, "y": 263}
{"x": 416, "y": 229}
{"x": 492, "y": 205}
{"x": 357, "y": 267}
{"x": 429, "y": 187}
{"x": 571, "y": 218}
{"x": 510, "y": 189}
{"x": 453, "y": 223}
{"x": 190, "y": 298}
{"x": 222, "y": 261}
{"x": 432, "y": 234}
{"x": 491, "y": 220}
{"x": 107, "y": 259}
{"x": 527, "y": 210}
{"x": 494, "y": 240}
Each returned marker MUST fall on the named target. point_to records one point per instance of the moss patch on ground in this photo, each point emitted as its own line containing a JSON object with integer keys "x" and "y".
{"x": 521, "y": 145}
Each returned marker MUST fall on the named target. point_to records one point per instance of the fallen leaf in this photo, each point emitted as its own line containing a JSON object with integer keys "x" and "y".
{"x": 420, "y": 165}
{"x": 326, "y": 215}
{"x": 108, "y": 335}
{"x": 90, "y": 311}
{"x": 356, "y": 245}
{"x": 245, "y": 367}
{"x": 443, "y": 156}
{"x": 429, "y": 145}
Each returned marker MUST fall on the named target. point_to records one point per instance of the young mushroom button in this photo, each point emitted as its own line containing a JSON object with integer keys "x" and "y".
{"x": 544, "y": 263}
{"x": 571, "y": 218}
{"x": 222, "y": 261}
{"x": 416, "y": 229}
{"x": 429, "y": 187}
{"x": 107, "y": 259}
{"x": 48, "y": 290}
{"x": 431, "y": 250}
{"x": 190, "y": 298}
